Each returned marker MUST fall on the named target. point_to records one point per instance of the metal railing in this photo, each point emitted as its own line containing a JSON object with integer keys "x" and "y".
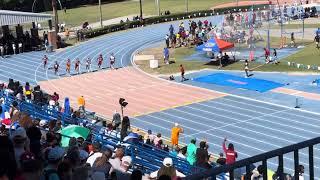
{"x": 264, "y": 157}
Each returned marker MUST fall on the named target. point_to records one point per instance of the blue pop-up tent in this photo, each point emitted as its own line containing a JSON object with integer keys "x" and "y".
{"x": 215, "y": 45}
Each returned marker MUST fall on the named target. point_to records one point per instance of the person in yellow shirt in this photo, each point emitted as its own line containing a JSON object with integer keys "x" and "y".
{"x": 81, "y": 102}
{"x": 176, "y": 130}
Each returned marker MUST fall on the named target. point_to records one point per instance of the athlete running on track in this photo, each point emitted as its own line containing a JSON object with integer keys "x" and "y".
{"x": 112, "y": 61}
{"x": 100, "y": 60}
{"x": 77, "y": 66}
{"x": 45, "y": 61}
{"x": 68, "y": 66}
{"x": 56, "y": 67}
{"x": 88, "y": 65}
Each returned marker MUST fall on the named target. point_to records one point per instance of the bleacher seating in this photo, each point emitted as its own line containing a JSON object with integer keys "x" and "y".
{"x": 144, "y": 157}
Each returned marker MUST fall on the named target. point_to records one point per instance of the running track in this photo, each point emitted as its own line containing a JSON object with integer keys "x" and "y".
{"x": 254, "y": 127}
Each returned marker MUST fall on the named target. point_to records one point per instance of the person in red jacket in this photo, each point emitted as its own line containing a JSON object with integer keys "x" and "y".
{"x": 231, "y": 154}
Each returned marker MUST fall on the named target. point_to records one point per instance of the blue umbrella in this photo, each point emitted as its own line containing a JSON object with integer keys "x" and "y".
{"x": 67, "y": 106}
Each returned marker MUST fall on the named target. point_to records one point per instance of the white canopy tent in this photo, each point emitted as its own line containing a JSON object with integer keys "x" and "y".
{"x": 18, "y": 17}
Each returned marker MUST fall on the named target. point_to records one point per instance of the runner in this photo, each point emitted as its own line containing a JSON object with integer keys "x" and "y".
{"x": 56, "y": 68}
{"x": 45, "y": 61}
{"x": 88, "y": 65}
{"x": 246, "y": 68}
{"x": 112, "y": 61}
{"x": 68, "y": 66}
{"x": 100, "y": 60}
{"x": 77, "y": 66}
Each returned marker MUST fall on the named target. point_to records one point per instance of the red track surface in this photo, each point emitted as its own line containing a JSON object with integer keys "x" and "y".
{"x": 144, "y": 94}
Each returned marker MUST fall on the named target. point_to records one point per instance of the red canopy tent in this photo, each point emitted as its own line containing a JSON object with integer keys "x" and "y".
{"x": 223, "y": 45}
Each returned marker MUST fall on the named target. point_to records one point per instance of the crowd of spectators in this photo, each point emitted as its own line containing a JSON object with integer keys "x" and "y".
{"x": 33, "y": 149}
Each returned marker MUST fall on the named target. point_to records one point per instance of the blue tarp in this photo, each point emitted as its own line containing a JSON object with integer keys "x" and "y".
{"x": 222, "y": 79}
{"x": 210, "y": 46}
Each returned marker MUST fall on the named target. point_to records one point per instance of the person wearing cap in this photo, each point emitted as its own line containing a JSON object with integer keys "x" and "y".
{"x": 94, "y": 154}
{"x": 55, "y": 156}
{"x": 191, "y": 151}
{"x": 175, "y": 132}
{"x": 123, "y": 173}
{"x": 20, "y": 143}
{"x": 167, "y": 169}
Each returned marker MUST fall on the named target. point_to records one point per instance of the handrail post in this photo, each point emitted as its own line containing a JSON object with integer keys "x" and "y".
{"x": 248, "y": 171}
{"x": 265, "y": 169}
{"x": 311, "y": 164}
{"x": 296, "y": 164}
{"x": 280, "y": 167}
{"x": 231, "y": 174}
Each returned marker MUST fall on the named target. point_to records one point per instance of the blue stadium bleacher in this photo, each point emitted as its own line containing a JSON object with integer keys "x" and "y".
{"x": 144, "y": 157}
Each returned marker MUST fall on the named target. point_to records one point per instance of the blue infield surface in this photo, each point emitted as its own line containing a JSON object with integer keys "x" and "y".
{"x": 222, "y": 79}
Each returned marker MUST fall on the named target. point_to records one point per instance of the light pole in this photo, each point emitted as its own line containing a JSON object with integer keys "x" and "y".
{"x": 140, "y": 2}
{"x": 187, "y": 6}
{"x": 100, "y": 13}
{"x": 158, "y": 7}
{"x": 55, "y": 14}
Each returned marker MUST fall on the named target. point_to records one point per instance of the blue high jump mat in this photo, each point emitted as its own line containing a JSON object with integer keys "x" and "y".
{"x": 253, "y": 84}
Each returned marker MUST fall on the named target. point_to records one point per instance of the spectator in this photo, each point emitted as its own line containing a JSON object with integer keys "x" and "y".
{"x": 136, "y": 175}
{"x": 125, "y": 126}
{"x": 30, "y": 166}
{"x": 175, "y": 132}
{"x": 13, "y": 109}
{"x": 55, "y": 156}
{"x": 20, "y": 143}
{"x": 175, "y": 151}
{"x": 202, "y": 156}
{"x": 95, "y": 153}
{"x": 221, "y": 160}
{"x": 157, "y": 139}
{"x": 102, "y": 164}
{"x": 34, "y": 134}
{"x": 65, "y": 170}
{"x": 7, "y": 163}
{"x": 28, "y": 91}
{"x": 160, "y": 144}
{"x": 182, "y": 153}
{"x": 191, "y": 151}
{"x": 167, "y": 169}
{"x": 231, "y": 154}
{"x": 123, "y": 173}
{"x": 116, "y": 161}
{"x": 149, "y": 136}
{"x": 116, "y": 119}
{"x": 81, "y": 103}
{"x": 3, "y": 130}
{"x": 257, "y": 174}
{"x": 300, "y": 172}
{"x": 37, "y": 95}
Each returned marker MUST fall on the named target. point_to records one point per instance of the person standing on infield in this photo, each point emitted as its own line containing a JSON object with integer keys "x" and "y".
{"x": 182, "y": 73}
